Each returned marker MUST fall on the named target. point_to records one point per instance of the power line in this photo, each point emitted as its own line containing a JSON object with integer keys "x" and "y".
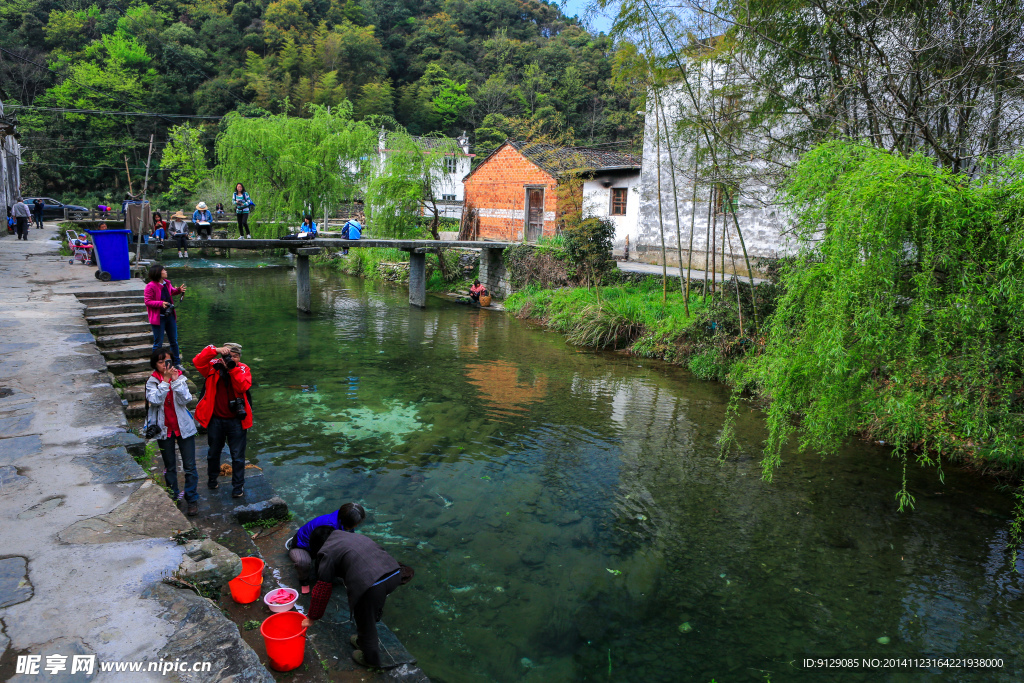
{"x": 111, "y": 113}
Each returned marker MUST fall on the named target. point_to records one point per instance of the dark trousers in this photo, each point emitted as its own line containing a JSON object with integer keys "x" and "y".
{"x": 187, "y": 448}
{"x": 21, "y": 227}
{"x": 168, "y": 326}
{"x": 243, "y": 224}
{"x": 38, "y": 216}
{"x": 367, "y": 612}
{"x": 230, "y": 430}
{"x": 182, "y": 242}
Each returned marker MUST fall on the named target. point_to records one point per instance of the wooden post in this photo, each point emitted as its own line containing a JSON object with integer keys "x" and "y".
{"x": 302, "y": 293}
{"x": 418, "y": 278}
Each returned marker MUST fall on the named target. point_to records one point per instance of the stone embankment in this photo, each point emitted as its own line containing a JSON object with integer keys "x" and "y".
{"x": 86, "y": 536}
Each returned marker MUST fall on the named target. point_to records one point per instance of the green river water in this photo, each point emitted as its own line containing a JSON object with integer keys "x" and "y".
{"x": 567, "y": 513}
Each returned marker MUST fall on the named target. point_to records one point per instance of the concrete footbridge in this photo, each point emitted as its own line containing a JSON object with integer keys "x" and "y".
{"x": 492, "y": 268}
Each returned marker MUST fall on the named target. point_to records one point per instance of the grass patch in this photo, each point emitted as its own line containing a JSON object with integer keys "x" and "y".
{"x": 364, "y": 261}
{"x": 621, "y": 317}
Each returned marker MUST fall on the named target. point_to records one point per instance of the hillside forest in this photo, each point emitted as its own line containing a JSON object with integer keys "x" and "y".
{"x": 486, "y": 67}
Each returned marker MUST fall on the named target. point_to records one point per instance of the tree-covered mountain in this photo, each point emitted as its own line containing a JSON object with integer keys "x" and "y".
{"x": 434, "y": 65}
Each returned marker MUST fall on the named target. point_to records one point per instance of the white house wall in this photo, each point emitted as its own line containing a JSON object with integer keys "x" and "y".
{"x": 762, "y": 222}
{"x": 597, "y": 201}
{"x": 10, "y": 168}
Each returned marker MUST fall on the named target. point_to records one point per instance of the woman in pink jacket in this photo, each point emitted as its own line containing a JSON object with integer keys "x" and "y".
{"x": 159, "y": 296}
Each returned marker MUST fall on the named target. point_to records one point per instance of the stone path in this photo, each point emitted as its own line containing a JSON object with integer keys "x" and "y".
{"x": 651, "y": 269}
{"x": 85, "y": 535}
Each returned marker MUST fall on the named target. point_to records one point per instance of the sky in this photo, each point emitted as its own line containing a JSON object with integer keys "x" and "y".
{"x": 597, "y": 22}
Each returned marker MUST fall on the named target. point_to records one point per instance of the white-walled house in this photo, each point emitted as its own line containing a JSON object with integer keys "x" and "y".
{"x": 10, "y": 161}
{"x": 449, "y": 190}
{"x": 615, "y": 195}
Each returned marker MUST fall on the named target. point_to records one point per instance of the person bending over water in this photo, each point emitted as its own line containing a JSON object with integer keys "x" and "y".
{"x": 300, "y": 547}
{"x": 370, "y": 575}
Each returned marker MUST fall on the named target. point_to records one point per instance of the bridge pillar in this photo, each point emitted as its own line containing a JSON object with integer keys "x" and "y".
{"x": 492, "y": 271}
{"x": 417, "y": 278}
{"x": 302, "y": 288}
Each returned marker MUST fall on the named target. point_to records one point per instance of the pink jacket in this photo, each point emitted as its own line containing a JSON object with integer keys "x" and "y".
{"x": 154, "y": 300}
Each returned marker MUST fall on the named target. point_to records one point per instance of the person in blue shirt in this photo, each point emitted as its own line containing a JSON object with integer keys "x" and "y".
{"x": 346, "y": 518}
{"x": 352, "y": 230}
{"x": 203, "y": 220}
{"x": 308, "y": 228}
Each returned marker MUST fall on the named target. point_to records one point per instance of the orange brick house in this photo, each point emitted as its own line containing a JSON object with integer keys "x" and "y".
{"x": 513, "y": 194}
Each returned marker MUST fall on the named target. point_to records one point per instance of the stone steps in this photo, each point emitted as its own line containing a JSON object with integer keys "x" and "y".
{"x": 114, "y": 319}
{"x": 97, "y": 311}
{"x": 143, "y": 351}
{"x": 123, "y": 340}
{"x": 128, "y": 327}
{"x": 129, "y": 366}
{"x": 93, "y": 302}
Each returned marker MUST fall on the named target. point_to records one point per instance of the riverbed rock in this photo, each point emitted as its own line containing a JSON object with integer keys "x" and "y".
{"x": 272, "y": 508}
{"x": 209, "y": 563}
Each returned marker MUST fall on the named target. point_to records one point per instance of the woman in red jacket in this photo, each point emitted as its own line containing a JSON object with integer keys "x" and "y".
{"x": 225, "y": 410}
{"x": 159, "y": 298}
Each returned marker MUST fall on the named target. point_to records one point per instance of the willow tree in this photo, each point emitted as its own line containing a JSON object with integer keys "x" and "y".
{"x": 292, "y": 166}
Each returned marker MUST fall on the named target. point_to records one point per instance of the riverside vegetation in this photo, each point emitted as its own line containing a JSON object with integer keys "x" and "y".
{"x": 899, "y": 319}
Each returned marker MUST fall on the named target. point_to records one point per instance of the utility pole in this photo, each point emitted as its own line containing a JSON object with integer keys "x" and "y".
{"x": 142, "y": 213}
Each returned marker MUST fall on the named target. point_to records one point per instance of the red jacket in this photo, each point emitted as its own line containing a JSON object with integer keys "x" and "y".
{"x": 241, "y": 380}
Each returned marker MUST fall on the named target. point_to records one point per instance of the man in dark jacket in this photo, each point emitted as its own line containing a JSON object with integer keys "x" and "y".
{"x": 37, "y": 212}
{"x": 370, "y": 575}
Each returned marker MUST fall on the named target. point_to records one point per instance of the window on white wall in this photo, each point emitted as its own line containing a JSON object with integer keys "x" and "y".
{"x": 447, "y": 198}
{"x": 619, "y": 201}
{"x": 451, "y": 164}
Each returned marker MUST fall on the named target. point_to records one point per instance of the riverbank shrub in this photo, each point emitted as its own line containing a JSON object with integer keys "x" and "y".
{"x": 901, "y": 316}
{"x": 544, "y": 264}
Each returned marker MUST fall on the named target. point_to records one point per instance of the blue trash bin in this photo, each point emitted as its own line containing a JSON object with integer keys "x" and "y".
{"x": 112, "y": 254}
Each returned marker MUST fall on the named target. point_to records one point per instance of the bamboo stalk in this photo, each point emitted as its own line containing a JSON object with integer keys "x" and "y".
{"x": 675, "y": 199}
{"x": 661, "y": 222}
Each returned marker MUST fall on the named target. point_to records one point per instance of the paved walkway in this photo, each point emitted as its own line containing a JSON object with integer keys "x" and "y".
{"x": 85, "y": 535}
{"x": 651, "y": 269}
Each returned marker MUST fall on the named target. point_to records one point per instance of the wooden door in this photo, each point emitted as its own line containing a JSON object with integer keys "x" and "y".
{"x": 534, "y": 214}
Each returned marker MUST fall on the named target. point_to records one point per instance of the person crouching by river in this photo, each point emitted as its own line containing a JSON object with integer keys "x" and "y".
{"x": 167, "y": 395}
{"x": 225, "y": 410}
{"x": 300, "y": 549}
{"x": 370, "y": 575}
{"x": 159, "y": 296}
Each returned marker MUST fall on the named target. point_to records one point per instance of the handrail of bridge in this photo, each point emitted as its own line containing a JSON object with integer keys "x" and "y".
{"x": 338, "y": 243}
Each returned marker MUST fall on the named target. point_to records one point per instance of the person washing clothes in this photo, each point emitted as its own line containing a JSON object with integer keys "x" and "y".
{"x": 300, "y": 548}
{"x": 225, "y": 410}
{"x": 476, "y": 290}
{"x": 370, "y": 575}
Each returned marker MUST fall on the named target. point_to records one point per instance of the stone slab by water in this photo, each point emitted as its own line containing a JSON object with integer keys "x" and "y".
{"x": 112, "y": 466}
{"x": 18, "y": 447}
{"x": 14, "y": 584}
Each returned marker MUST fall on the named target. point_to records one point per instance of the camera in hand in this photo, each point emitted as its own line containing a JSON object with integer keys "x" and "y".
{"x": 237, "y": 406}
{"x": 167, "y": 309}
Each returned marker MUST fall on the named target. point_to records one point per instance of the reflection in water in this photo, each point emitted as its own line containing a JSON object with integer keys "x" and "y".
{"x": 569, "y": 516}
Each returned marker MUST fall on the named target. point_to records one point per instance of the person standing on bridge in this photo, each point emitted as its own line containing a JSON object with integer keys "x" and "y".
{"x": 159, "y": 297}
{"x": 243, "y": 204}
{"x": 225, "y": 410}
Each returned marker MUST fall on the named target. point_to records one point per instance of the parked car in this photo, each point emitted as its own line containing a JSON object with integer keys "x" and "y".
{"x": 54, "y": 210}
